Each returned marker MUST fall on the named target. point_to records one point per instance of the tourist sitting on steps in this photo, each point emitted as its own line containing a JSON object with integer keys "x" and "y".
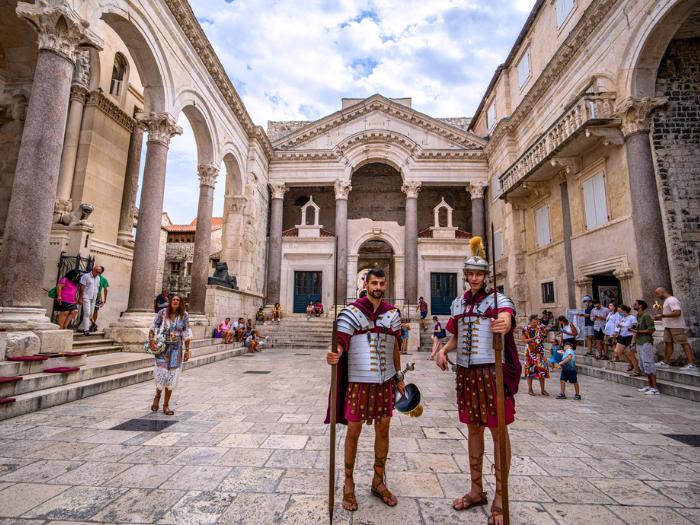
{"x": 277, "y": 313}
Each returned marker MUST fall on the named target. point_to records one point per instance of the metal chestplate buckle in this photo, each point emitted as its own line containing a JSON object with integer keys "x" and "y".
{"x": 475, "y": 341}
{"x": 371, "y": 358}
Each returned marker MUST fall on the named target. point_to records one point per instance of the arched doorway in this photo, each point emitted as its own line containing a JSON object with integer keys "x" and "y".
{"x": 376, "y": 253}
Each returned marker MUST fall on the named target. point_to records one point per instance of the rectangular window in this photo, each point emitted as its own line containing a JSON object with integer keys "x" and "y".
{"x": 491, "y": 116}
{"x": 189, "y": 268}
{"x": 175, "y": 267}
{"x": 542, "y": 226}
{"x": 564, "y": 9}
{"x": 495, "y": 187}
{"x": 524, "y": 68}
{"x": 497, "y": 244}
{"x": 594, "y": 201}
{"x": 547, "y": 292}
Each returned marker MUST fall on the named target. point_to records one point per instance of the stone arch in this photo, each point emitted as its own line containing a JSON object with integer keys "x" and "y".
{"x": 397, "y": 153}
{"x": 647, "y": 46}
{"x": 372, "y": 236}
{"x": 139, "y": 37}
{"x": 200, "y": 119}
{"x": 235, "y": 182}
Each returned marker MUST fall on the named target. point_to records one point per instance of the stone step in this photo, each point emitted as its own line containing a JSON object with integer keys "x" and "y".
{"x": 99, "y": 349}
{"x": 138, "y": 369}
{"x": 673, "y": 374}
{"x": 80, "y": 341}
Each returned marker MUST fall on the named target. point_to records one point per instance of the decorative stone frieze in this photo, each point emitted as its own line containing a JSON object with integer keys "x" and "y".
{"x": 109, "y": 108}
{"x": 411, "y": 188}
{"x": 636, "y": 113}
{"x": 161, "y": 127}
{"x": 278, "y": 189}
{"x": 342, "y": 189}
{"x": 60, "y": 28}
{"x": 476, "y": 190}
{"x": 208, "y": 174}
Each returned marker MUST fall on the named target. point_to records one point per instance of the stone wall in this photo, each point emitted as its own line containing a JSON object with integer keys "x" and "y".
{"x": 676, "y": 138}
{"x": 224, "y": 302}
{"x": 376, "y": 194}
{"x": 323, "y": 196}
{"x": 457, "y": 197}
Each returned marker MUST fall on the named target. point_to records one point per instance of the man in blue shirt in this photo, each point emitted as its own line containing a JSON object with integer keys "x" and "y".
{"x": 568, "y": 372}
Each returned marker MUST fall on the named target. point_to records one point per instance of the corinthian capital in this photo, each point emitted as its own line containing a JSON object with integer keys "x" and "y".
{"x": 278, "y": 190}
{"x": 161, "y": 127}
{"x": 635, "y": 113}
{"x": 411, "y": 188}
{"x": 342, "y": 189}
{"x": 208, "y": 174}
{"x": 78, "y": 93}
{"x": 476, "y": 190}
{"x": 60, "y": 28}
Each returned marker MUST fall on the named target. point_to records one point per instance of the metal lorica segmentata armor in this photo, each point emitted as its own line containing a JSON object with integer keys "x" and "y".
{"x": 474, "y": 334}
{"x": 371, "y": 351}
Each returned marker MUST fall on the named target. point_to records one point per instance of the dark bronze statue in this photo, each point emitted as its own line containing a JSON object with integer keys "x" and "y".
{"x": 221, "y": 277}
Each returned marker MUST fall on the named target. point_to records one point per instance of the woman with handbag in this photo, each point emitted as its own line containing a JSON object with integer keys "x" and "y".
{"x": 438, "y": 334}
{"x": 168, "y": 335}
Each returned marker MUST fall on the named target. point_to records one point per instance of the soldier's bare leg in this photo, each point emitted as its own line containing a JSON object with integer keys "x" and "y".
{"x": 476, "y": 494}
{"x": 381, "y": 452}
{"x": 351, "y": 438}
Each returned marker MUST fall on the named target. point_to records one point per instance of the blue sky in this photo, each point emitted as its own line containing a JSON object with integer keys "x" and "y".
{"x": 292, "y": 60}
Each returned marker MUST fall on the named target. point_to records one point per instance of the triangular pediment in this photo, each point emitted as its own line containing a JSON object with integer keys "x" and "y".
{"x": 376, "y": 118}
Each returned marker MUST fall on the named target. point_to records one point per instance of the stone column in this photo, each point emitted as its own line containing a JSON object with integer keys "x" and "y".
{"x": 585, "y": 287}
{"x": 78, "y": 95}
{"x": 30, "y": 213}
{"x": 411, "y": 189}
{"x": 202, "y": 237}
{"x": 274, "y": 269}
{"x": 125, "y": 236}
{"x": 342, "y": 190}
{"x": 624, "y": 275}
{"x": 644, "y": 195}
{"x": 161, "y": 128}
{"x": 476, "y": 192}
{"x": 568, "y": 259}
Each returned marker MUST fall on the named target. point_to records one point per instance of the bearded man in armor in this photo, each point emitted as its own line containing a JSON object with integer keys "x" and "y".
{"x": 368, "y": 359}
{"x": 475, "y": 318}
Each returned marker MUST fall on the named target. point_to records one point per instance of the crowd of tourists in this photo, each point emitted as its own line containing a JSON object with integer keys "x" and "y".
{"x": 242, "y": 331}
{"x": 80, "y": 293}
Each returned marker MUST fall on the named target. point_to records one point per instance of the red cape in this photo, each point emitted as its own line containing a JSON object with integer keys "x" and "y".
{"x": 341, "y": 383}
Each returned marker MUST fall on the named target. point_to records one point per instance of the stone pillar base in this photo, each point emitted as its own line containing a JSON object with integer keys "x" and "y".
{"x": 125, "y": 239}
{"x": 200, "y": 325}
{"x": 28, "y": 331}
{"x": 131, "y": 330}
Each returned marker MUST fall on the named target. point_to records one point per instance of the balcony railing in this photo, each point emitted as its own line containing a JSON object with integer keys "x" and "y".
{"x": 589, "y": 109}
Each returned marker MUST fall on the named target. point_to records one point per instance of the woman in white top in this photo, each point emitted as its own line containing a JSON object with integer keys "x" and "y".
{"x": 624, "y": 339}
{"x": 568, "y": 332}
{"x": 609, "y": 328}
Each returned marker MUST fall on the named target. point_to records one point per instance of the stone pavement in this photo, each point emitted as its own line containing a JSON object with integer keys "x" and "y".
{"x": 251, "y": 448}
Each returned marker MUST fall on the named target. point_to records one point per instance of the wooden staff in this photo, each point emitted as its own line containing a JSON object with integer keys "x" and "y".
{"x": 500, "y": 405}
{"x": 334, "y": 395}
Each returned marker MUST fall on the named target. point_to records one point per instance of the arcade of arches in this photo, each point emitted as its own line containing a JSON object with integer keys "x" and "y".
{"x": 586, "y": 171}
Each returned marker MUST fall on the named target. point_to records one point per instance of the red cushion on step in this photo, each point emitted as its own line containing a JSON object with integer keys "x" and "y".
{"x": 12, "y": 379}
{"x": 6, "y": 400}
{"x": 61, "y": 370}
{"x": 28, "y": 358}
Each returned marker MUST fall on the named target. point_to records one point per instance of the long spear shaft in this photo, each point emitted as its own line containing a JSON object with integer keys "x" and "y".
{"x": 334, "y": 394}
{"x": 500, "y": 393}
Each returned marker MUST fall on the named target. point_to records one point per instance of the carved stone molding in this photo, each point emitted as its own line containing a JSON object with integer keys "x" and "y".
{"x": 161, "y": 127}
{"x": 570, "y": 165}
{"x": 624, "y": 274}
{"x": 208, "y": 174}
{"x": 81, "y": 72}
{"x": 342, "y": 189}
{"x": 278, "y": 189}
{"x": 109, "y": 108}
{"x": 476, "y": 189}
{"x": 411, "y": 188}
{"x": 635, "y": 113}
{"x": 78, "y": 93}
{"x": 59, "y": 27}
{"x": 609, "y": 135}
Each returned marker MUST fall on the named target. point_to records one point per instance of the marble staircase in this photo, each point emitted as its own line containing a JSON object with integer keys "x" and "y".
{"x": 295, "y": 331}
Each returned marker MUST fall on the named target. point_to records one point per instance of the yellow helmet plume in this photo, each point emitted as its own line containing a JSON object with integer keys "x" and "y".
{"x": 477, "y": 247}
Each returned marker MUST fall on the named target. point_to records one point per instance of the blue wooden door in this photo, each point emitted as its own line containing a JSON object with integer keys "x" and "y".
{"x": 443, "y": 290}
{"x": 307, "y": 287}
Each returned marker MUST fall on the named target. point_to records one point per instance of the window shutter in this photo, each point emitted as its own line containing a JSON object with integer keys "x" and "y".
{"x": 601, "y": 205}
{"x": 498, "y": 245}
{"x": 542, "y": 226}
{"x": 589, "y": 203}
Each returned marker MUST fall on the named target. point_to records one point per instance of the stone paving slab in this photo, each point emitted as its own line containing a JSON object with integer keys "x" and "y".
{"x": 250, "y": 448}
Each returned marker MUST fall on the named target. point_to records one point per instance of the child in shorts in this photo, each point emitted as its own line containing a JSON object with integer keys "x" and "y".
{"x": 568, "y": 372}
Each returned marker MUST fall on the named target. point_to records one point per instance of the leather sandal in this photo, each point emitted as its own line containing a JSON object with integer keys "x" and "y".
{"x": 466, "y": 502}
{"x": 384, "y": 494}
{"x": 166, "y": 403}
{"x": 350, "y": 499}
{"x": 495, "y": 512}
{"x": 156, "y": 401}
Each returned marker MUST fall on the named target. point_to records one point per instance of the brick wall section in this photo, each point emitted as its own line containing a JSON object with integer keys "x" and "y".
{"x": 676, "y": 139}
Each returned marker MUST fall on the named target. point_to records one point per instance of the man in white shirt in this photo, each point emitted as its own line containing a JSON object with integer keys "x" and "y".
{"x": 598, "y": 315}
{"x": 89, "y": 286}
{"x": 624, "y": 339}
{"x": 674, "y": 329}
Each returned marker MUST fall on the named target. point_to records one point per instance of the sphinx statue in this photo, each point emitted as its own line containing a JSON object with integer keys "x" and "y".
{"x": 221, "y": 277}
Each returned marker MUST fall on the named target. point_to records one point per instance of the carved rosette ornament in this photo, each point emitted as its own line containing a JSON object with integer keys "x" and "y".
{"x": 342, "y": 189}
{"x": 208, "y": 174}
{"x": 278, "y": 189}
{"x": 636, "y": 113}
{"x": 411, "y": 188}
{"x": 476, "y": 190}
{"x": 60, "y": 28}
{"x": 161, "y": 127}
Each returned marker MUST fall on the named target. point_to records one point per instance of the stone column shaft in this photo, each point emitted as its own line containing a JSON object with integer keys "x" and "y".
{"x": 274, "y": 269}
{"x": 478, "y": 226}
{"x": 411, "y": 189}
{"x": 568, "y": 259}
{"x": 161, "y": 127}
{"x": 202, "y": 238}
{"x": 342, "y": 189}
{"x": 78, "y": 94}
{"x": 131, "y": 187}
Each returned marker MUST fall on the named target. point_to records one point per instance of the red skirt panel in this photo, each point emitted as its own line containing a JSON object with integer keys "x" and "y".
{"x": 369, "y": 401}
{"x": 476, "y": 397}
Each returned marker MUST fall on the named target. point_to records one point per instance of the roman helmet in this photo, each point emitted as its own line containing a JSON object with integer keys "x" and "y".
{"x": 477, "y": 261}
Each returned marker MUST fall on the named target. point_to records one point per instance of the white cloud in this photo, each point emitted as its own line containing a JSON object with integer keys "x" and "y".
{"x": 295, "y": 60}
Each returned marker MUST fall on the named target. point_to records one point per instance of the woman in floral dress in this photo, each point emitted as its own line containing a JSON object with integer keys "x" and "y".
{"x": 534, "y": 334}
{"x": 175, "y": 324}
